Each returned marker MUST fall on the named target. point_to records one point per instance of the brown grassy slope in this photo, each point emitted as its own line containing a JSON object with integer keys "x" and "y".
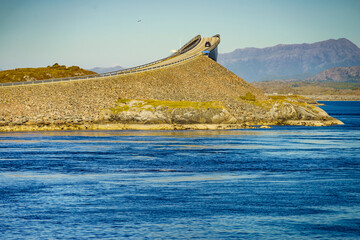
{"x": 201, "y": 79}
{"x": 33, "y": 74}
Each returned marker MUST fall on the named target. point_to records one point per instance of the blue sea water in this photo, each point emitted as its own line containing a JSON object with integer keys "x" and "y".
{"x": 279, "y": 183}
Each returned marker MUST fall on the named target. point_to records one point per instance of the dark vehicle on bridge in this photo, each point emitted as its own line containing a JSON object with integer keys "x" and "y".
{"x": 207, "y": 44}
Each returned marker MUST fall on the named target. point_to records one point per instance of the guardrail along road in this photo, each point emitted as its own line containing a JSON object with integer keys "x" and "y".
{"x": 195, "y": 47}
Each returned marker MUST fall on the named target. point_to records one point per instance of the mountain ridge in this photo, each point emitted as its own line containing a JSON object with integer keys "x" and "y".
{"x": 105, "y": 69}
{"x": 339, "y": 83}
{"x": 338, "y": 74}
{"x": 284, "y": 60}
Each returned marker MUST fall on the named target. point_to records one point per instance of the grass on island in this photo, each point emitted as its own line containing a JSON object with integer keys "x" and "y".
{"x": 150, "y": 104}
{"x": 248, "y": 97}
{"x": 268, "y": 104}
{"x": 33, "y": 74}
{"x": 350, "y": 87}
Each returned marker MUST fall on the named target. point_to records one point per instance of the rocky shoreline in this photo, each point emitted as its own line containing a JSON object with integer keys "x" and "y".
{"x": 121, "y": 126}
{"x": 141, "y": 115}
{"x": 199, "y": 94}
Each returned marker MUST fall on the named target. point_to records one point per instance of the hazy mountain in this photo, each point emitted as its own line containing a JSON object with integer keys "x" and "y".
{"x": 106, "y": 69}
{"x": 297, "y": 61}
{"x": 339, "y": 81}
{"x": 338, "y": 74}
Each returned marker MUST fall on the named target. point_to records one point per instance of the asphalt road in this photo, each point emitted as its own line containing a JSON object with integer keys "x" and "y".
{"x": 197, "y": 50}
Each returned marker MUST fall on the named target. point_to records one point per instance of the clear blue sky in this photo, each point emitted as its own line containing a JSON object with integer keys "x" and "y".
{"x": 91, "y": 33}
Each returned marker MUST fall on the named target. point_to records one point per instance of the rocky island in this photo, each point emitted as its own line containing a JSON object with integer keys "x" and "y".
{"x": 197, "y": 94}
{"x": 34, "y": 74}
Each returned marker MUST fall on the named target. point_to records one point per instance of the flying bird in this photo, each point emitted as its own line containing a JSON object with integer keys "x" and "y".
{"x": 139, "y": 21}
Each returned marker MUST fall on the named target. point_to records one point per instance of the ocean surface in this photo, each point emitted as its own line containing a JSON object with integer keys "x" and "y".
{"x": 287, "y": 182}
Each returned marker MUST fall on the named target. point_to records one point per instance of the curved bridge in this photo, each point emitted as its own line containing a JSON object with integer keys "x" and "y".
{"x": 197, "y": 46}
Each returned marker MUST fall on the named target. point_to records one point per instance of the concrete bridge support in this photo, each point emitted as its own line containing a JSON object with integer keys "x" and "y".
{"x": 214, "y": 54}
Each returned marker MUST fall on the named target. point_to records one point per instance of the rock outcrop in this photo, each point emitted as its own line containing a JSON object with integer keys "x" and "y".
{"x": 42, "y": 73}
{"x": 288, "y": 112}
{"x": 171, "y": 112}
{"x": 198, "y": 93}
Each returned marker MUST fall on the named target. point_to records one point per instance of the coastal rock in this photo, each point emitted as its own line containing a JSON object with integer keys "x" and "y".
{"x": 283, "y": 111}
{"x": 286, "y": 111}
{"x": 199, "y": 93}
{"x": 138, "y": 111}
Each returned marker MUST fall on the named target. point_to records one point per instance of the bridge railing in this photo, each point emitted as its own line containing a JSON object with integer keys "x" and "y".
{"x": 188, "y": 46}
{"x": 85, "y": 76}
{"x": 140, "y": 68}
{"x": 70, "y": 79}
{"x": 216, "y": 44}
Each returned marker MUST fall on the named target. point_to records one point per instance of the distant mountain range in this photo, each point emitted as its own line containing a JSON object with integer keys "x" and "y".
{"x": 338, "y": 74}
{"x": 106, "y": 69}
{"x": 338, "y": 81}
{"x": 291, "y": 61}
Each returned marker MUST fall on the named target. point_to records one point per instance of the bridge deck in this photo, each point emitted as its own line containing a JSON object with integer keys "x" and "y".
{"x": 196, "y": 50}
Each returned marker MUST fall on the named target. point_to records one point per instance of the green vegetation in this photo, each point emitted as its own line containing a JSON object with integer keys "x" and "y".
{"x": 127, "y": 104}
{"x": 248, "y": 97}
{"x": 340, "y": 85}
{"x": 310, "y": 87}
{"x": 293, "y": 99}
{"x": 119, "y": 109}
{"x": 33, "y": 74}
{"x": 183, "y": 104}
{"x": 276, "y": 97}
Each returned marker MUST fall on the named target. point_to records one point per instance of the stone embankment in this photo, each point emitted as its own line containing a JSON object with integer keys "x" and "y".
{"x": 199, "y": 94}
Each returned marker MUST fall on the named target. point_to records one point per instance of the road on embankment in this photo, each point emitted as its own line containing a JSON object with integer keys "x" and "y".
{"x": 197, "y": 50}
{"x": 193, "y": 51}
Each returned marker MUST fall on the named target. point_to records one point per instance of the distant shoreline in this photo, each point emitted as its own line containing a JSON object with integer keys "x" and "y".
{"x": 333, "y": 97}
{"x": 325, "y": 97}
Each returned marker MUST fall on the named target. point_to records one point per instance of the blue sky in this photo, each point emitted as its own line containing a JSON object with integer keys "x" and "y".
{"x": 100, "y": 33}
